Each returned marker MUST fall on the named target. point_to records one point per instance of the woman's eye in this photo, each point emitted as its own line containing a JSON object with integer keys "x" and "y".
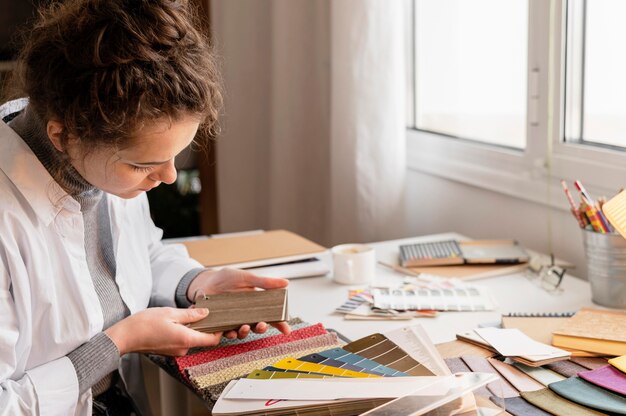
{"x": 141, "y": 168}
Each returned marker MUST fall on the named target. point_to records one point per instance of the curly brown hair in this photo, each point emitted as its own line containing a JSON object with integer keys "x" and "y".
{"x": 104, "y": 68}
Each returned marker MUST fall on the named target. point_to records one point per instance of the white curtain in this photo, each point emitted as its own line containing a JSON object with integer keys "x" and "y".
{"x": 314, "y": 123}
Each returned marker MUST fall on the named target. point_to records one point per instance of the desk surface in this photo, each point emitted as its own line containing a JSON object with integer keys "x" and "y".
{"x": 314, "y": 299}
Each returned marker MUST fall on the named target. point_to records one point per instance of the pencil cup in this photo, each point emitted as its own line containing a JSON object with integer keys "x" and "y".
{"x": 353, "y": 264}
{"x": 606, "y": 268}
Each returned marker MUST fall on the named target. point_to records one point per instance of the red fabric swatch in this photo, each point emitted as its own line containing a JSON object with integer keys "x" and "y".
{"x": 202, "y": 357}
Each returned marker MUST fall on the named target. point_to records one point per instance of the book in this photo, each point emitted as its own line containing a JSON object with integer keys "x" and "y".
{"x": 275, "y": 253}
{"x": 230, "y": 310}
{"x": 594, "y": 330}
{"x": 452, "y": 252}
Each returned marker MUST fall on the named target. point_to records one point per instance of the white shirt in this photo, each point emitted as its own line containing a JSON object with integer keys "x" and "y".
{"x": 48, "y": 303}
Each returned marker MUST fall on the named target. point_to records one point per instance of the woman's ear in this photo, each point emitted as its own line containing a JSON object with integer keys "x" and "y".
{"x": 54, "y": 129}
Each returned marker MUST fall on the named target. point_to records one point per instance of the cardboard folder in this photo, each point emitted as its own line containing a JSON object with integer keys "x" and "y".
{"x": 257, "y": 249}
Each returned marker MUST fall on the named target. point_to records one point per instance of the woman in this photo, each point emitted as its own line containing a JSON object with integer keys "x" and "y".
{"x": 116, "y": 89}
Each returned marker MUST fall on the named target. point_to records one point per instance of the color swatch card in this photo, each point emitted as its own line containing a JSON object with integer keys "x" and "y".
{"x": 513, "y": 342}
{"x": 458, "y": 299}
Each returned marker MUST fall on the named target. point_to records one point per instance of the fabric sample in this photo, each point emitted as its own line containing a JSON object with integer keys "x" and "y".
{"x": 542, "y": 375}
{"x": 238, "y": 371}
{"x": 457, "y": 365}
{"x": 554, "y": 404}
{"x": 277, "y": 352}
{"x": 340, "y": 354}
{"x": 500, "y": 388}
{"x": 517, "y": 378}
{"x": 517, "y": 406}
{"x": 589, "y": 362}
{"x": 320, "y": 359}
{"x": 378, "y": 348}
{"x": 607, "y": 377}
{"x": 217, "y": 353}
{"x": 566, "y": 368}
{"x": 589, "y": 395}
{"x": 619, "y": 363}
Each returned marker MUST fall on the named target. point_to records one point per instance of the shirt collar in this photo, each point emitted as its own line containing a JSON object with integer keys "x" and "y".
{"x": 31, "y": 178}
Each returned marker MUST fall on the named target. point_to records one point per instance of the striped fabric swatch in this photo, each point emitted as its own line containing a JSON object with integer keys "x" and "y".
{"x": 590, "y": 395}
{"x": 517, "y": 406}
{"x": 566, "y": 368}
{"x": 202, "y": 357}
{"x": 276, "y": 352}
{"x": 607, "y": 377}
{"x": 238, "y": 371}
{"x": 500, "y": 388}
{"x": 554, "y": 404}
{"x": 619, "y": 363}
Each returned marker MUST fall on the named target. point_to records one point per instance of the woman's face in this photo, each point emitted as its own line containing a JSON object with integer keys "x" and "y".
{"x": 145, "y": 164}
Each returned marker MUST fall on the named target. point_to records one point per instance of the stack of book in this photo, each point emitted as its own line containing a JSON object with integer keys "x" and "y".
{"x": 595, "y": 331}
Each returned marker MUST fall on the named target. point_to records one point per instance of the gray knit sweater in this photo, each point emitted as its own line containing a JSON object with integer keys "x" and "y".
{"x": 96, "y": 360}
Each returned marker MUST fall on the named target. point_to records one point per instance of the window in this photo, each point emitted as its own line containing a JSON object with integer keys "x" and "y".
{"x": 470, "y": 83}
{"x": 595, "y": 111}
{"x": 514, "y": 95}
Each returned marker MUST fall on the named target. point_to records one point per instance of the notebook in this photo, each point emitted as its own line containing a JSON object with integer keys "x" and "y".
{"x": 453, "y": 252}
{"x": 230, "y": 310}
{"x": 275, "y": 253}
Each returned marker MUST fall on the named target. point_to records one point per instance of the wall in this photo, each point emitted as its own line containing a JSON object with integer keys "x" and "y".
{"x": 438, "y": 205}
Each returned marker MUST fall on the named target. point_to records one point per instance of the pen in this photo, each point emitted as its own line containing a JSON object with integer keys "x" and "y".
{"x": 604, "y": 224}
{"x": 572, "y": 204}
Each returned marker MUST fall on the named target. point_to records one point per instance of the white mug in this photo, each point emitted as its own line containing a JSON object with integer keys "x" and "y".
{"x": 353, "y": 264}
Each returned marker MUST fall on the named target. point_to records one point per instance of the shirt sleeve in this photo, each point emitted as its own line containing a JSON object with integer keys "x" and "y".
{"x": 48, "y": 389}
{"x": 94, "y": 360}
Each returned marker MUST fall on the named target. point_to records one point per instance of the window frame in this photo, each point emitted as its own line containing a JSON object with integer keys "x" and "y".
{"x": 532, "y": 173}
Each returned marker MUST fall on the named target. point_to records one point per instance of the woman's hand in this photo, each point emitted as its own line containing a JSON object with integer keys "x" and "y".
{"x": 161, "y": 331}
{"x": 232, "y": 280}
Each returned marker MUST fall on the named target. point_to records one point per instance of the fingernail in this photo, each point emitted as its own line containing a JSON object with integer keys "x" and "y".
{"x": 202, "y": 311}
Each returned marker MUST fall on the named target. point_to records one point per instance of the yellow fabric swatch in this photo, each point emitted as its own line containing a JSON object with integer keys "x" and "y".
{"x": 293, "y": 364}
{"x": 619, "y": 363}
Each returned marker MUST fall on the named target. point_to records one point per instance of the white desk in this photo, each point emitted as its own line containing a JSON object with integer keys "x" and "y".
{"x": 314, "y": 299}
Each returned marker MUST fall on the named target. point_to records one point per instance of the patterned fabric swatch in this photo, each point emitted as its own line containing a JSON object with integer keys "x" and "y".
{"x": 215, "y": 354}
{"x": 295, "y": 323}
{"x": 552, "y": 403}
{"x": 276, "y": 352}
{"x": 608, "y": 377}
{"x": 590, "y": 395}
{"x": 589, "y": 362}
{"x": 566, "y": 368}
{"x": 500, "y": 388}
{"x": 237, "y": 371}
{"x": 619, "y": 363}
{"x": 517, "y": 406}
